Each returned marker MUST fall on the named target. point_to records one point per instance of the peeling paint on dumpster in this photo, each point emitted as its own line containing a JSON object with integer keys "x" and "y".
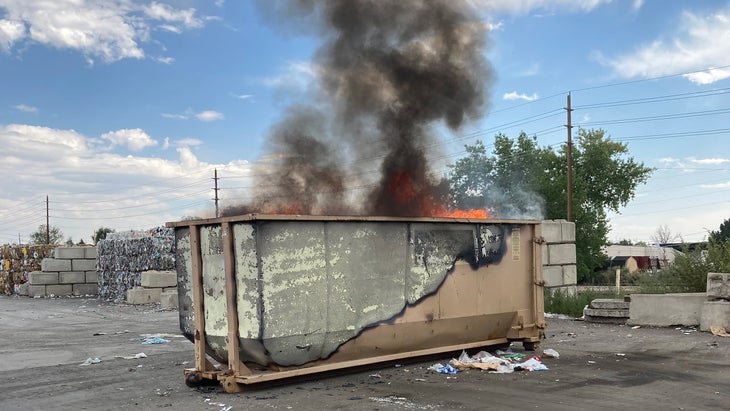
{"x": 316, "y": 288}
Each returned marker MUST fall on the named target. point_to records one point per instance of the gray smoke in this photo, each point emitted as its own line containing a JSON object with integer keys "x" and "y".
{"x": 387, "y": 72}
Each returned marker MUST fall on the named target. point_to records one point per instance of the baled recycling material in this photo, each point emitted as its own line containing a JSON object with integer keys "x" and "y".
{"x": 124, "y": 256}
{"x": 16, "y": 261}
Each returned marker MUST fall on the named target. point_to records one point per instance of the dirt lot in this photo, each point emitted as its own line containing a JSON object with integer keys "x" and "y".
{"x": 44, "y": 341}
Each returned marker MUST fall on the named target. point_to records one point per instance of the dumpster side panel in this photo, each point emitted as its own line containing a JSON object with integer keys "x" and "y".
{"x": 184, "y": 269}
{"x": 214, "y": 286}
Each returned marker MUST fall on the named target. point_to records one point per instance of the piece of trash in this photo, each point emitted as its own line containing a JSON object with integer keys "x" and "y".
{"x": 533, "y": 364}
{"x": 486, "y": 366}
{"x": 132, "y": 357}
{"x": 719, "y": 331}
{"x": 376, "y": 375}
{"x": 712, "y": 344}
{"x": 443, "y": 369}
{"x": 90, "y": 361}
{"x": 636, "y": 327}
{"x": 154, "y": 340}
{"x": 550, "y": 353}
{"x": 420, "y": 379}
{"x": 95, "y": 334}
{"x": 620, "y": 354}
{"x": 591, "y": 362}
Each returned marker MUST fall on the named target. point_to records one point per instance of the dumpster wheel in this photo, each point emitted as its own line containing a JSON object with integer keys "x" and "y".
{"x": 531, "y": 345}
{"x": 193, "y": 380}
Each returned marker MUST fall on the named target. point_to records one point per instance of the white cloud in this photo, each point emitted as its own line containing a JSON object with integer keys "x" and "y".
{"x": 109, "y": 30}
{"x": 710, "y": 161}
{"x": 166, "y": 60}
{"x": 166, "y": 143}
{"x": 26, "y": 109}
{"x": 135, "y": 139}
{"x": 715, "y": 186}
{"x": 164, "y": 12}
{"x": 298, "y": 75}
{"x": 243, "y": 96}
{"x": 702, "y": 41}
{"x": 10, "y": 32}
{"x": 220, "y": 3}
{"x": 527, "y": 6}
{"x": 90, "y": 186}
{"x": 175, "y": 116}
{"x": 516, "y": 96}
{"x": 209, "y": 115}
{"x": 188, "y": 142}
{"x": 637, "y": 4}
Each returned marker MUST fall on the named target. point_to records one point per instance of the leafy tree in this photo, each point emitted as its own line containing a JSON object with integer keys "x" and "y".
{"x": 39, "y": 236}
{"x": 101, "y": 233}
{"x": 524, "y": 180}
{"x": 722, "y": 235}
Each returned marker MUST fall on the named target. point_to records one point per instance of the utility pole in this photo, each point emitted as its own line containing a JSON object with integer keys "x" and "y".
{"x": 570, "y": 162}
{"x": 215, "y": 189}
{"x": 48, "y": 226}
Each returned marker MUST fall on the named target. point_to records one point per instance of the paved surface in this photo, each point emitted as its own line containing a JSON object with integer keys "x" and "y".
{"x": 44, "y": 341}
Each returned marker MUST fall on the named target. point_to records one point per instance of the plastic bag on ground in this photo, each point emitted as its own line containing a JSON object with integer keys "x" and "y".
{"x": 533, "y": 364}
{"x": 443, "y": 369}
{"x": 550, "y": 353}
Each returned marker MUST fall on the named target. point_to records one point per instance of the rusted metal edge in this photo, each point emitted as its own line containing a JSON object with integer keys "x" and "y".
{"x": 298, "y": 217}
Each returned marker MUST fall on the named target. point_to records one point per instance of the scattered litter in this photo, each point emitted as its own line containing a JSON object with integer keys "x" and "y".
{"x": 376, "y": 375}
{"x": 443, "y": 369}
{"x": 620, "y": 354}
{"x": 559, "y": 316}
{"x": 132, "y": 357}
{"x": 420, "y": 379}
{"x": 154, "y": 340}
{"x": 161, "y": 335}
{"x": 712, "y": 344}
{"x": 90, "y": 361}
{"x": 719, "y": 331}
{"x": 503, "y": 363}
{"x": 97, "y": 334}
{"x": 223, "y": 407}
{"x": 636, "y": 327}
{"x": 550, "y": 353}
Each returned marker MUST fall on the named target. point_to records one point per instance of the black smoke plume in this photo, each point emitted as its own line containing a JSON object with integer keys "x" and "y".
{"x": 388, "y": 73}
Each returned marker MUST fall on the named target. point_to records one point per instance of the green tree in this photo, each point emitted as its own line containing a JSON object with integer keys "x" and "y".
{"x": 39, "y": 236}
{"x": 722, "y": 235}
{"x": 101, "y": 233}
{"x": 523, "y": 180}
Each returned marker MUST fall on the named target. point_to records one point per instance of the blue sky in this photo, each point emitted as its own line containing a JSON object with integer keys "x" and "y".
{"x": 120, "y": 110}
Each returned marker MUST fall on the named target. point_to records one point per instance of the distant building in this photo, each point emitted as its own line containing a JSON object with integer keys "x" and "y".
{"x": 639, "y": 258}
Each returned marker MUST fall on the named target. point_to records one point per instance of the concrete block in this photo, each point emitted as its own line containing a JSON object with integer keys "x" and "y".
{"x": 59, "y": 289}
{"x": 552, "y": 231}
{"x": 68, "y": 253}
{"x": 90, "y": 253}
{"x": 23, "y": 289}
{"x": 664, "y": 310}
{"x": 92, "y": 277}
{"x": 71, "y": 277}
{"x": 52, "y": 264}
{"x": 36, "y": 290}
{"x": 715, "y": 313}
{"x": 553, "y": 275}
{"x": 159, "y": 279}
{"x": 139, "y": 295}
{"x": 169, "y": 300}
{"x": 568, "y": 231}
{"x": 85, "y": 289}
{"x": 83, "y": 265}
{"x": 570, "y": 274}
{"x": 39, "y": 277}
{"x": 610, "y": 304}
{"x": 718, "y": 286}
{"x": 600, "y": 312}
{"x": 561, "y": 254}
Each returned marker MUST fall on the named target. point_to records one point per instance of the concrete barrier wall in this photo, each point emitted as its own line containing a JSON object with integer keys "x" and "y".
{"x": 663, "y": 310}
{"x": 558, "y": 255}
{"x": 71, "y": 271}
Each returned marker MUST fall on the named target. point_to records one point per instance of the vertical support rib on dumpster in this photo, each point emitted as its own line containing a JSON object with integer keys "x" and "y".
{"x": 234, "y": 363}
{"x": 196, "y": 262}
{"x": 539, "y": 280}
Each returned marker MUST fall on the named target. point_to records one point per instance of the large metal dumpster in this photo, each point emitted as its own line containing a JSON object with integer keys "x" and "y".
{"x": 278, "y": 296}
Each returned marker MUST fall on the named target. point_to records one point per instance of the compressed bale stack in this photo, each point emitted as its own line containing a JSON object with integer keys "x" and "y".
{"x": 125, "y": 255}
{"x": 16, "y": 261}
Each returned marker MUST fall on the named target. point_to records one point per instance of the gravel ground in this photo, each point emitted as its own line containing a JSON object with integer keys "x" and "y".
{"x": 601, "y": 366}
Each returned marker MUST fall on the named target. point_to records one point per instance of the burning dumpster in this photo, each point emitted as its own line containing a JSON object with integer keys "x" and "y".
{"x": 279, "y": 296}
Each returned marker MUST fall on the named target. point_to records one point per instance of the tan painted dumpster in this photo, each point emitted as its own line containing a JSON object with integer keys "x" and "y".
{"x": 279, "y": 296}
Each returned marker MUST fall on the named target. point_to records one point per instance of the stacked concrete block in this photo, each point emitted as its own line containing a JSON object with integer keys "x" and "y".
{"x": 155, "y": 287}
{"x": 71, "y": 271}
{"x": 716, "y": 310}
{"x": 558, "y": 255}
